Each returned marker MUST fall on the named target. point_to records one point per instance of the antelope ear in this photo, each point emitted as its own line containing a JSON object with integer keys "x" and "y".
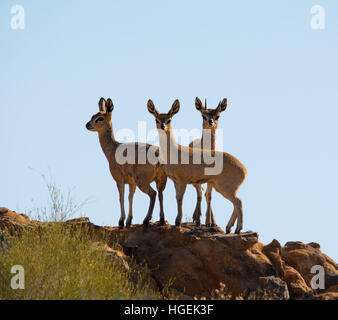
{"x": 151, "y": 108}
{"x": 174, "y": 108}
{"x": 109, "y": 105}
{"x": 222, "y": 105}
{"x": 198, "y": 104}
{"x": 102, "y": 106}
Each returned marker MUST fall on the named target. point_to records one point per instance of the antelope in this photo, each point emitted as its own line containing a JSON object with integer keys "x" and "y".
{"x": 209, "y": 125}
{"x": 226, "y": 181}
{"x": 140, "y": 175}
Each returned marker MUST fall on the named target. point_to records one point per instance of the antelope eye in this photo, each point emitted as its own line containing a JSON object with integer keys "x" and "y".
{"x": 217, "y": 118}
{"x": 204, "y": 118}
{"x": 168, "y": 121}
{"x": 157, "y": 121}
{"x": 99, "y": 119}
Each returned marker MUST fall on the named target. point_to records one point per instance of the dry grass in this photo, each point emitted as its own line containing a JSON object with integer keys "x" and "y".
{"x": 61, "y": 263}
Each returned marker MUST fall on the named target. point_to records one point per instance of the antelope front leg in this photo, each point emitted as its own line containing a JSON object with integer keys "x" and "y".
{"x": 120, "y": 187}
{"x": 197, "y": 213}
{"x": 180, "y": 189}
{"x": 132, "y": 188}
{"x": 209, "y": 216}
{"x": 160, "y": 185}
{"x": 160, "y": 199}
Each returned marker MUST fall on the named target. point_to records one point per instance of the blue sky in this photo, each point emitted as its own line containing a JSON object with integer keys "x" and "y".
{"x": 279, "y": 75}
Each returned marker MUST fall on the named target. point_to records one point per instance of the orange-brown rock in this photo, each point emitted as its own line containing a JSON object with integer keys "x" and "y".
{"x": 273, "y": 252}
{"x": 302, "y": 257}
{"x": 195, "y": 260}
{"x": 12, "y": 219}
{"x": 296, "y": 284}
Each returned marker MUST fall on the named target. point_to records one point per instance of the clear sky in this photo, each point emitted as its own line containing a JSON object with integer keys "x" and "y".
{"x": 279, "y": 75}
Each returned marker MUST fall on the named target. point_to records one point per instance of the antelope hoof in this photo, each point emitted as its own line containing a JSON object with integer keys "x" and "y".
{"x": 177, "y": 223}
{"x": 162, "y": 222}
{"x": 228, "y": 230}
{"x": 198, "y": 223}
{"x": 121, "y": 224}
{"x": 128, "y": 223}
{"x": 238, "y": 231}
{"x": 195, "y": 216}
{"x": 146, "y": 223}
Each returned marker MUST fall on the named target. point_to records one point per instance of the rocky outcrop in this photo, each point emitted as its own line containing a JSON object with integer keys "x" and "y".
{"x": 196, "y": 261}
{"x": 12, "y": 219}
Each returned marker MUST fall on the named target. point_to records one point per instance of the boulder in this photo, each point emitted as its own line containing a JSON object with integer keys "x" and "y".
{"x": 273, "y": 288}
{"x": 273, "y": 251}
{"x": 10, "y": 218}
{"x": 303, "y": 257}
{"x": 295, "y": 282}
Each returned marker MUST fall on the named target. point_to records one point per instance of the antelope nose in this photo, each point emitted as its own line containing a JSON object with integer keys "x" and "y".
{"x": 87, "y": 125}
{"x": 211, "y": 122}
{"x": 162, "y": 126}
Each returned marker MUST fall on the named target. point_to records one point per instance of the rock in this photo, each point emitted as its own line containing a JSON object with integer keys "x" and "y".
{"x": 314, "y": 245}
{"x": 326, "y": 296}
{"x": 11, "y": 219}
{"x": 179, "y": 295}
{"x": 198, "y": 261}
{"x": 274, "y": 252}
{"x": 302, "y": 257}
{"x": 121, "y": 260}
{"x": 331, "y": 282}
{"x": 195, "y": 260}
{"x": 78, "y": 220}
{"x": 116, "y": 256}
{"x": 295, "y": 282}
{"x": 274, "y": 288}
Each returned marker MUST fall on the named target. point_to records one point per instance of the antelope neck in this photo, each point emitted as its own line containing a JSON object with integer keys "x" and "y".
{"x": 107, "y": 141}
{"x": 167, "y": 143}
{"x": 209, "y": 137}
